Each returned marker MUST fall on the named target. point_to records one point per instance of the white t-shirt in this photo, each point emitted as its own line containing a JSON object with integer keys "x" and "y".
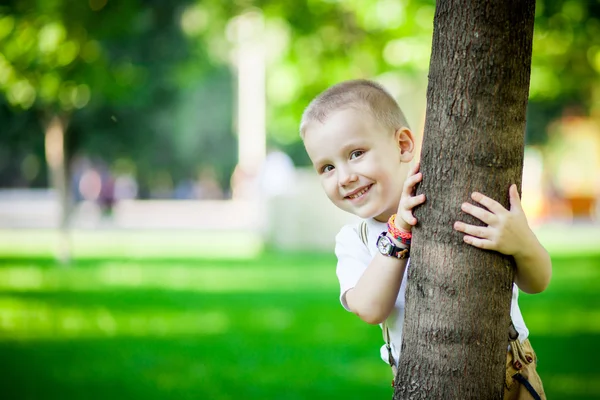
{"x": 353, "y": 259}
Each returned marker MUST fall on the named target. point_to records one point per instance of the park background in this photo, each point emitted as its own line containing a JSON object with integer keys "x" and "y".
{"x": 162, "y": 235}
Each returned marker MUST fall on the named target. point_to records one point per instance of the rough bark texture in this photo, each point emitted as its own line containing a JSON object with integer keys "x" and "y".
{"x": 458, "y": 297}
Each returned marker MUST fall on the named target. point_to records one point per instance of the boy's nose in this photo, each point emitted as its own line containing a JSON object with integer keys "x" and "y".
{"x": 346, "y": 177}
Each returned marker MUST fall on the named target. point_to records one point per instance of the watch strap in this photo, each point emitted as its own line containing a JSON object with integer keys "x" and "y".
{"x": 400, "y": 253}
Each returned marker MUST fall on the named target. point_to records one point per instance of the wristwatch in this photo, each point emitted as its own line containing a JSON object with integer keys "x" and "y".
{"x": 389, "y": 249}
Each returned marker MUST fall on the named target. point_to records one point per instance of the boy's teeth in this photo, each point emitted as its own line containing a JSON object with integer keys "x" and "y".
{"x": 359, "y": 193}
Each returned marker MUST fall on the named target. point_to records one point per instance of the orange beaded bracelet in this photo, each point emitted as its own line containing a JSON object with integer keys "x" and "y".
{"x": 401, "y": 236}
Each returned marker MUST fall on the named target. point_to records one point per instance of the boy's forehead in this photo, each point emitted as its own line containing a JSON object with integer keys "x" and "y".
{"x": 344, "y": 118}
{"x": 338, "y": 130}
{"x": 344, "y": 123}
{"x": 332, "y": 126}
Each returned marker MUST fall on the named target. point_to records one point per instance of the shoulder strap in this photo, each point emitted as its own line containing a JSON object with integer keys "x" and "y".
{"x": 363, "y": 232}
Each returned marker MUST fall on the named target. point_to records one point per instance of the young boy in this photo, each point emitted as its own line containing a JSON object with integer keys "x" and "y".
{"x": 360, "y": 145}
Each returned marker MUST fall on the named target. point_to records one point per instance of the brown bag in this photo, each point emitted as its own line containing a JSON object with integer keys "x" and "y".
{"x": 522, "y": 380}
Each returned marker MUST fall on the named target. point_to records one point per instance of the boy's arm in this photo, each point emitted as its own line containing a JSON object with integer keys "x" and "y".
{"x": 508, "y": 232}
{"x": 534, "y": 267}
{"x": 375, "y": 293}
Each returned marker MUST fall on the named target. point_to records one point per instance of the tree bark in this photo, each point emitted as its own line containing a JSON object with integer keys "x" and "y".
{"x": 458, "y": 297}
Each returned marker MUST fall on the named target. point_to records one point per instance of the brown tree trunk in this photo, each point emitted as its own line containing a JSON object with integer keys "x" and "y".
{"x": 458, "y": 297}
{"x": 55, "y": 130}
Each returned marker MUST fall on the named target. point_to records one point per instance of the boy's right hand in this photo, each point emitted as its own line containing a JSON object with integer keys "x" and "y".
{"x": 405, "y": 219}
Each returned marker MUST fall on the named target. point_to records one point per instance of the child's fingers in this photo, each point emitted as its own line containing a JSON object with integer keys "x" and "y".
{"x": 414, "y": 201}
{"x": 405, "y": 217}
{"x": 488, "y": 203}
{"x": 479, "y": 213}
{"x": 406, "y": 206}
{"x": 409, "y": 218}
{"x": 413, "y": 170}
{"x": 411, "y": 181}
{"x": 513, "y": 195}
{"x": 472, "y": 230}
{"x": 478, "y": 242}
{"x": 416, "y": 167}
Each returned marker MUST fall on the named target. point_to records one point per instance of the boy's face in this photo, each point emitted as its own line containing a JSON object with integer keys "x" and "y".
{"x": 359, "y": 162}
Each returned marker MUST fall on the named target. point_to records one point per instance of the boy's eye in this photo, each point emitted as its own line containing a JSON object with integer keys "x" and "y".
{"x": 356, "y": 153}
{"x": 326, "y": 168}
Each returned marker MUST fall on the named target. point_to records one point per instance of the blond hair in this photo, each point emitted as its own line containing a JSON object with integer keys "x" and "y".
{"x": 361, "y": 94}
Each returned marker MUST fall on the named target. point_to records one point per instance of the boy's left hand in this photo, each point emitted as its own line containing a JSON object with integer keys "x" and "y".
{"x": 507, "y": 231}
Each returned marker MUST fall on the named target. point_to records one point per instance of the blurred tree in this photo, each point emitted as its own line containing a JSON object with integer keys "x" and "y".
{"x": 566, "y": 63}
{"x": 458, "y": 296}
{"x": 111, "y": 69}
{"x": 101, "y": 78}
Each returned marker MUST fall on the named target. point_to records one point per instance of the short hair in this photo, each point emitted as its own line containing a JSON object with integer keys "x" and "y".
{"x": 362, "y": 94}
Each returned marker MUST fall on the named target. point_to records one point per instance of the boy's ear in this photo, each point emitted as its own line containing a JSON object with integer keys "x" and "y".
{"x": 406, "y": 144}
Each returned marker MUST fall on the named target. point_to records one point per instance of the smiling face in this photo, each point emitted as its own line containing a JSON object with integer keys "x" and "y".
{"x": 359, "y": 162}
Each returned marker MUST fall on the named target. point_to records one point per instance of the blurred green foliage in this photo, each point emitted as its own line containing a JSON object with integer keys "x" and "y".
{"x": 269, "y": 327}
{"x": 120, "y": 74}
{"x": 151, "y": 82}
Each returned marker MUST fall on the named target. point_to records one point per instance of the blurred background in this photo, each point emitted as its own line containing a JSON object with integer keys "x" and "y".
{"x": 162, "y": 235}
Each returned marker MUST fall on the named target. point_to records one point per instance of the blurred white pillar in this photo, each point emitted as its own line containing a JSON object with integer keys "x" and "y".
{"x": 248, "y": 31}
{"x": 55, "y": 156}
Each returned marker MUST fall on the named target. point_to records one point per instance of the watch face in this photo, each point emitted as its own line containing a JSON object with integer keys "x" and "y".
{"x": 385, "y": 245}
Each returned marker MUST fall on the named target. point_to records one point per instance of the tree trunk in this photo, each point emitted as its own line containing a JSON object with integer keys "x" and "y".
{"x": 458, "y": 297}
{"x": 55, "y": 131}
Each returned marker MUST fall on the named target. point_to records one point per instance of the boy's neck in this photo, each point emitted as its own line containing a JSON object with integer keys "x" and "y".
{"x": 383, "y": 217}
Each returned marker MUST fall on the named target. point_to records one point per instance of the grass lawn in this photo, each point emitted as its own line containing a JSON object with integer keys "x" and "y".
{"x": 268, "y": 327}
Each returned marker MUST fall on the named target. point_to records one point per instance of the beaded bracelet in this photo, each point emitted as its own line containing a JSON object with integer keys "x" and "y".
{"x": 401, "y": 236}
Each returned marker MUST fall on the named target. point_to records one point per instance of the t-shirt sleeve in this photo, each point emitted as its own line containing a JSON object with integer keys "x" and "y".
{"x": 353, "y": 258}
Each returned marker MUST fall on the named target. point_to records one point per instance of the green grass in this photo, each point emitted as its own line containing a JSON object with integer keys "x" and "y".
{"x": 268, "y": 327}
{"x": 129, "y": 243}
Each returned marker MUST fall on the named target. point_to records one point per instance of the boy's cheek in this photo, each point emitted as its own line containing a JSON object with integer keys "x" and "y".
{"x": 335, "y": 198}
{"x": 325, "y": 186}
{"x": 332, "y": 194}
